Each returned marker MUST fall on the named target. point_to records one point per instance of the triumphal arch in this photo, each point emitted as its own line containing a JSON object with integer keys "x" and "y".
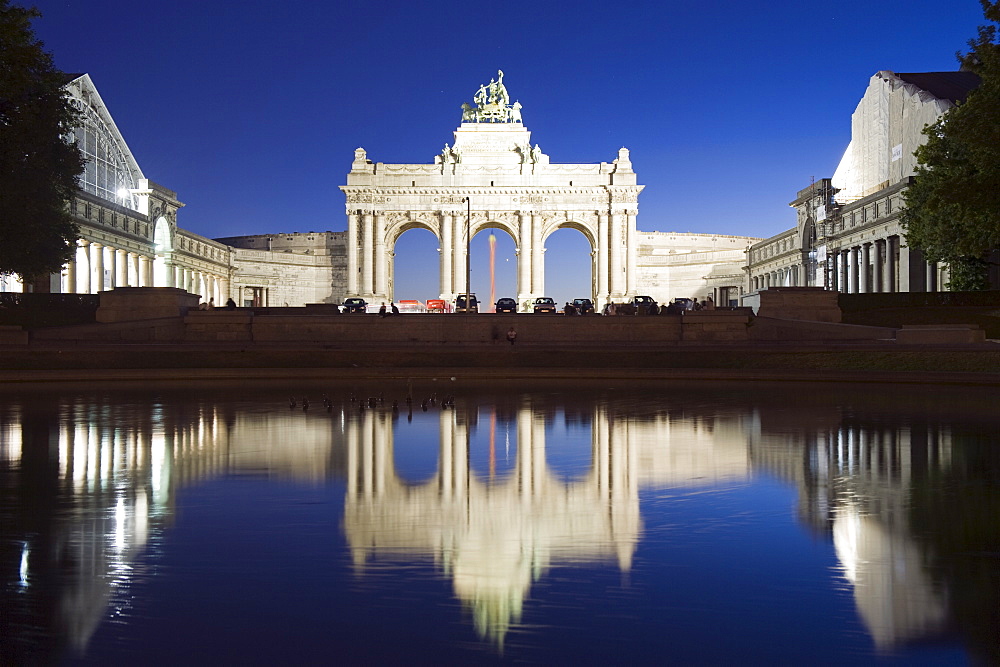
{"x": 492, "y": 177}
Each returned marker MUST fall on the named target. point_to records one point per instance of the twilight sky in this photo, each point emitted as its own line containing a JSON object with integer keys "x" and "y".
{"x": 251, "y": 110}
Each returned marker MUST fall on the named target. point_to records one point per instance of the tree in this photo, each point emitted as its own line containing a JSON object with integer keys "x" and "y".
{"x": 39, "y": 164}
{"x": 952, "y": 209}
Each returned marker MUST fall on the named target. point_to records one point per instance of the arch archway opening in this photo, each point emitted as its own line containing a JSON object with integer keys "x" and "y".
{"x": 569, "y": 266}
{"x": 415, "y": 268}
{"x": 163, "y": 245}
{"x": 503, "y": 279}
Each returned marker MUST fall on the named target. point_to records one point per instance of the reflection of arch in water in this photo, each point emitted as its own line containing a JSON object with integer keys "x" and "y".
{"x": 492, "y": 539}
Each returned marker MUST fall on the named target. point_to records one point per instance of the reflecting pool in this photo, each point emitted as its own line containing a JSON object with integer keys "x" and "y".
{"x": 454, "y": 521}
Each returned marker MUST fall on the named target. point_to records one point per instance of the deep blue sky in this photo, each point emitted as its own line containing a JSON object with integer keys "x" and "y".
{"x": 251, "y": 110}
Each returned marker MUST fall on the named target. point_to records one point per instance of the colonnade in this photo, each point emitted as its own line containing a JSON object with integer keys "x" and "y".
{"x": 786, "y": 276}
{"x": 97, "y": 267}
{"x": 875, "y": 266}
{"x": 884, "y": 265}
{"x": 370, "y": 255}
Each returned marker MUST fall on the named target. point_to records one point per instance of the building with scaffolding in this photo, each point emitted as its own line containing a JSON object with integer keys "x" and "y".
{"x": 848, "y": 235}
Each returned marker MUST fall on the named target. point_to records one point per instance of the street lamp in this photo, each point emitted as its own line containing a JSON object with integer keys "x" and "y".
{"x": 468, "y": 255}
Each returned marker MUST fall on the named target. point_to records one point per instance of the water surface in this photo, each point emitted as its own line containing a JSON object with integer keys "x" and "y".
{"x": 700, "y": 523}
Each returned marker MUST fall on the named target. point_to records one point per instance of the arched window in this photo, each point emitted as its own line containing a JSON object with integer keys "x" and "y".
{"x": 107, "y": 174}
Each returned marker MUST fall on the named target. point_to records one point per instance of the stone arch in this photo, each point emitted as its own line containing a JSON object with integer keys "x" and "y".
{"x": 163, "y": 250}
{"x": 590, "y": 234}
{"x": 586, "y": 229}
{"x": 502, "y": 225}
{"x": 397, "y": 229}
{"x": 393, "y": 232}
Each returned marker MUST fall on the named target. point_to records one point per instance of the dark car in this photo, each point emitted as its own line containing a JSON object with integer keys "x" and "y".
{"x": 643, "y": 304}
{"x": 460, "y": 304}
{"x": 355, "y": 305}
{"x": 506, "y": 305}
{"x": 545, "y": 304}
{"x": 583, "y": 306}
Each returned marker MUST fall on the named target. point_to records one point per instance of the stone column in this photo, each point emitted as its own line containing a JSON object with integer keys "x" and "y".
{"x": 891, "y": 248}
{"x": 853, "y": 257}
{"x": 71, "y": 269}
{"x": 143, "y": 270}
{"x": 121, "y": 265}
{"x": 537, "y": 256}
{"x": 366, "y": 283}
{"x": 381, "y": 259}
{"x": 863, "y": 283}
{"x": 843, "y": 284}
{"x": 631, "y": 252}
{"x": 444, "y": 238}
{"x": 524, "y": 258}
{"x": 602, "y": 261}
{"x": 458, "y": 254}
{"x": 879, "y": 266}
{"x": 97, "y": 268}
{"x": 352, "y": 254}
{"x": 84, "y": 276}
{"x": 135, "y": 269}
{"x": 615, "y": 275}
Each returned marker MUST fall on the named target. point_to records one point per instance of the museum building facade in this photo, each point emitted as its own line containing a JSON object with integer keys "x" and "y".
{"x": 849, "y": 237}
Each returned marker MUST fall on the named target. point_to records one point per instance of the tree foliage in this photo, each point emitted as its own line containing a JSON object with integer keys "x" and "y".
{"x": 953, "y": 206}
{"x": 39, "y": 167}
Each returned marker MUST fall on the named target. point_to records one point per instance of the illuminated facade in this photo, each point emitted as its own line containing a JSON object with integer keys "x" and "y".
{"x": 848, "y": 235}
{"x": 129, "y": 236}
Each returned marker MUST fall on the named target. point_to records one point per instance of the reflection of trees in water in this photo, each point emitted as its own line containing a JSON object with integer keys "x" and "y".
{"x": 956, "y": 515}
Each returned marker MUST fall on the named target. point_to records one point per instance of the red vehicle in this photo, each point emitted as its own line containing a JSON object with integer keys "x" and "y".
{"x": 437, "y": 306}
{"x": 411, "y": 306}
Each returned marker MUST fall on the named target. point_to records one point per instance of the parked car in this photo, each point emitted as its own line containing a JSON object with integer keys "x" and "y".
{"x": 437, "y": 306}
{"x": 355, "y": 305}
{"x": 583, "y": 306}
{"x": 460, "y": 304}
{"x": 506, "y": 305}
{"x": 643, "y": 304}
{"x": 544, "y": 304}
{"x": 411, "y": 306}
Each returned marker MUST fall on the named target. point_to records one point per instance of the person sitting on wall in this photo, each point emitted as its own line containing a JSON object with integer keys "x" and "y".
{"x": 230, "y": 304}
{"x": 395, "y": 309}
{"x": 211, "y": 303}
{"x": 202, "y": 306}
{"x": 381, "y": 311}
